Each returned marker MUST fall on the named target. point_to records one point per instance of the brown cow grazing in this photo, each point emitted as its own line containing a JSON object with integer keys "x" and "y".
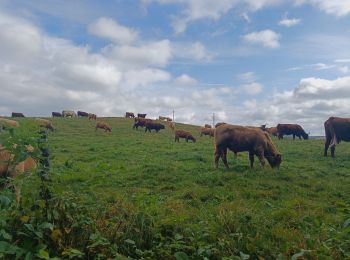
{"x": 337, "y": 129}
{"x": 153, "y": 125}
{"x": 272, "y": 131}
{"x": 14, "y": 114}
{"x": 219, "y": 124}
{"x": 44, "y": 123}
{"x": 8, "y": 123}
{"x": 245, "y": 139}
{"x": 184, "y": 134}
{"x": 141, "y": 115}
{"x": 140, "y": 122}
{"x": 207, "y": 126}
{"x": 207, "y": 131}
{"x": 103, "y": 126}
{"x": 291, "y": 129}
{"x": 82, "y": 114}
{"x": 56, "y": 114}
{"x": 92, "y": 116}
{"x": 12, "y": 171}
{"x": 129, "y": 115}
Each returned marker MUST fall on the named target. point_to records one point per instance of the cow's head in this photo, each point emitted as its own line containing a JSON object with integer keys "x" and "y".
{"x": 274, "y": 160}
{"x": 306, "y": 136}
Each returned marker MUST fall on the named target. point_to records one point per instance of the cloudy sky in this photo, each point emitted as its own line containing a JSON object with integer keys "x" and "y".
{"x": 250, "y": 62}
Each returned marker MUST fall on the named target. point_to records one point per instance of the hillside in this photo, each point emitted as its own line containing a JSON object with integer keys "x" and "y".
{"x": 149, "y": 197}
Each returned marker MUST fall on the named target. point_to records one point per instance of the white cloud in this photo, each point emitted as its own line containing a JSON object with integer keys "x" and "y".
{"x": 185, "y": 80}
{"x": 289, "y": 22}
{"x": 266, "y": 38}
{"x": 252, "y": 88}
{"x": 193, "y": 51}
{"x": 110, "y": 29}
{"x": 247, "y": 77}
{"x": 344, "y": 69}
{"x": 208, "y": 9}
{"x": 342, "y": 61}
{"x": 334, "y": 7}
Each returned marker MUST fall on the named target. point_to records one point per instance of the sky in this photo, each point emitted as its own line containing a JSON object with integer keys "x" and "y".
{"x": 250, "y": 62}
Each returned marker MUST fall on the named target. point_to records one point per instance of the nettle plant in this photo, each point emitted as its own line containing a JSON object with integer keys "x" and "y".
{"x": 22, "y": 235}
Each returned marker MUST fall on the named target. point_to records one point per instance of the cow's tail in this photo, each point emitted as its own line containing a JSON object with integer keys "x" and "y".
{"x": 334, "y": 139}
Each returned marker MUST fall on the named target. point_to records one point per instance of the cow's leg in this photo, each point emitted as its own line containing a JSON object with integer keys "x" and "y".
{"x": 260, "y": 154}
{"x": 186, "y": 139}
{"x": 217, "y": 155}
{"x": 251, "y": 159}
{"x": 299, "y": 137}
{"x": 326, "y": 145}
{"x": 280, "y": 136}
{"x": 293, "y": 136}
{"x": 332, "y": 150}
{"x": 224, "y": 157}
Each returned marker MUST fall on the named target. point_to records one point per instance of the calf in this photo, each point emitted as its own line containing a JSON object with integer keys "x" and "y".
{"x": 207, "y": 131}
{"x": 92, "y": 116}
{"x": 104, "y": 126}
{"x": 129, "y": 115}
{"x": 141, "y": 115}
{"x": 184, "y": 134}
{"x": 56, "y": 114}
{"x": 291, "y": 129}
{"x": 15, "y": 114}
{"x": 153, "y": 125}
{"x": 82, "y": 114}
{"x": 140, "y": 122}
{"x": 44, "y": 123}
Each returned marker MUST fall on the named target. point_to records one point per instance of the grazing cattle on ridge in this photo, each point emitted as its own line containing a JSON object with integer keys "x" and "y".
{"x": 272, "y": 131}
{"x": 184, "y": 134}
{"x": 6, "y": 169}
{"x": 68, "y": 113}
{"x": 44, "y": 123}
{"x": 245, "y": 139}
{"x": 56, "y": 114}
{"x": 92, "y": 116}
{"x": 219, "y": 124}
{"x": 291, "y": 129}
{"x": 337, "y": 129}
{"x": 104, "y": 126}
{"x": 151, "y": 125}
{"x": 82, "y": 114}
{"x": 140, "y": 122}
{"x": 141, "y": 115}
{"x": 15, "y": 114}
{"x": 207, "y": 131}
{"x": 207, "y": 126}
{"x": 129, "y": 115}
{"x": 164, "y": 118}
{"x": 8, "y": 123}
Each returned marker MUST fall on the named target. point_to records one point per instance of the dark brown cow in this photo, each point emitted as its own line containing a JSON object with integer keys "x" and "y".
{"x": 129, "y": 115}
{"x": 207, "y": 131}
{"x": 83, "y": 114}
{"x": 272, "y": 131}
{"x": 151, "y": 125}
{"x": 291, "y": 129}
{"x": 207, "y": 126}
{"x": 140, "y": 122}
{"x": 184, "y": 134}
{"x": 337, "y": 129}
{"x": 56, "y": 114}
{"x": 15, "y": 114}
{"x": 245, "y": 139}
{"x": 104, "y": 126}
{"x": 92, "y": 116}
{"x": 141, "y": 115}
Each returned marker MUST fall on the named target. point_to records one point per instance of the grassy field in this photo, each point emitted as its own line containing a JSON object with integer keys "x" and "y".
{"x": 148, "y": 197}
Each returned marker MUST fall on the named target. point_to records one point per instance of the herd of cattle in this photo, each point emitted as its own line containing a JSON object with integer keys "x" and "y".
{"x": 255, "y": 140}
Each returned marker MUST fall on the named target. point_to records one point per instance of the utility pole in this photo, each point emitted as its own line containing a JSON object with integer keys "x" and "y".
{"x": 213, "y": 120}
